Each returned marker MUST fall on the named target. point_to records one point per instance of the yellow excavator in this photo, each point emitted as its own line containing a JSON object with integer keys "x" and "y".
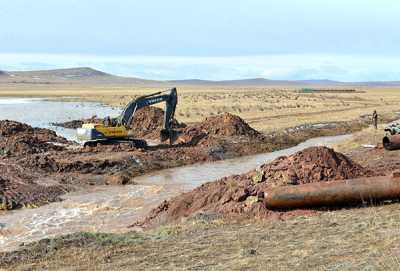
{"x": 117, "y": 130}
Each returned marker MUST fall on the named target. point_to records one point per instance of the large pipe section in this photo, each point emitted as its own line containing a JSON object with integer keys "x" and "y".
{"x": 334, "y": 193}
{"x": 391, "y": 142}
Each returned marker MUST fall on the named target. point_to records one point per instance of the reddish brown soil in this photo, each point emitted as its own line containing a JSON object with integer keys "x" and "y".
{"x": 23, "y": 164}
{"x": 314, "y": 164}
{"x": 148, "y": 122}
{"x": 221, "y": 126}
{"x": 242, "y": 195}
{"x": 20, "y": 139}
{"x": 227, "y": 125}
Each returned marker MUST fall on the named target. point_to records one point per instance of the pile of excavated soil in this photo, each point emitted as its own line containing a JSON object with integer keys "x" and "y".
{"x": 19, "y": 139}
{"x": 146, "y": 120}
{"x": 214, "y": 127}
{"x": 227, "y": 125}
{"x": 243, "y": 195}
{"x": 314, "y": 164}
{"x": 18, "y": 188}
{"x": 149, "y": 121}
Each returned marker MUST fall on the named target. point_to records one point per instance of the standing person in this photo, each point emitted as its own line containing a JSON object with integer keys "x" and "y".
{"x": 375, "y": 119}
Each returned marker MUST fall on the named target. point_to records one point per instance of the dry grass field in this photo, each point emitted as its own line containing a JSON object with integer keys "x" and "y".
{"x": 265, "y": 109}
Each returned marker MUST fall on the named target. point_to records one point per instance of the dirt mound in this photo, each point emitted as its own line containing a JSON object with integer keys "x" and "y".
{"x": 148, "y": 122}
{"x": 227, "y": 125}
{"x": 313, "y": 164}
{"x": 243, "y": 195}
{"x": 19, "y": 139}
{"x": 19, "y": 188}
{"x": 217, "y": 127}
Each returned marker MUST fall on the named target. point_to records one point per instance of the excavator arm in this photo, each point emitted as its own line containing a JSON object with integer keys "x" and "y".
{"x": 170, "y": 97}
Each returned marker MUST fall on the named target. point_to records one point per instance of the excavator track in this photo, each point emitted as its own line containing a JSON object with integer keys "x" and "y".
{"x": 134, "y": 143}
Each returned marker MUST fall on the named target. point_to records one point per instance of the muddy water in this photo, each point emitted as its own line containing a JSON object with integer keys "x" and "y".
{"x": 41, "y": 112}
{"x": 113, "y": 208}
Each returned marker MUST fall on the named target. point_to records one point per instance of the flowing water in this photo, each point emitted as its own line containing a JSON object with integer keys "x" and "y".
{"x": 114, "y": 208}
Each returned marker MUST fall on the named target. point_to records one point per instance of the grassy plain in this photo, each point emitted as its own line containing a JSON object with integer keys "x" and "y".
{"x": 266, "y": 109}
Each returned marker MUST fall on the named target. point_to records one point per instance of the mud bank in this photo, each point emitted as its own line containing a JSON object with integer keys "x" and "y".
{"x": 24, "y": 164}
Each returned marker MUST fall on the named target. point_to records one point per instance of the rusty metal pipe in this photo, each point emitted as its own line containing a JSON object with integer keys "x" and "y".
{"x": 391, "y": 142}
{"x": 331, "y": 194}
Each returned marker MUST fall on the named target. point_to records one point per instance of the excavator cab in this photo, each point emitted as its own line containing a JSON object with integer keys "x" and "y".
{"x": 118, "y": 129}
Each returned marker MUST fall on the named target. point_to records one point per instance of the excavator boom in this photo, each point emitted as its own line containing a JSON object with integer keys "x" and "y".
{"x": 170, "y": 97}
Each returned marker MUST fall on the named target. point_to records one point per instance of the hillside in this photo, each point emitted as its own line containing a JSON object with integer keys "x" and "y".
{"x": 70, "y": 75}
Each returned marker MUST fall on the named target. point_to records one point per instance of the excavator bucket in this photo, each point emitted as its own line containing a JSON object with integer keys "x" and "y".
{"x": 170, "y": 135}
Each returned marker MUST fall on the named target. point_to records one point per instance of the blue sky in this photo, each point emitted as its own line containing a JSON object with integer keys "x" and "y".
{"x": 325, "y": 38}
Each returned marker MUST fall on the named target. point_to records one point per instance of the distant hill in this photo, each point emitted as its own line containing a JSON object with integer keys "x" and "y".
{"x": 71, "y": 75}
{"x": 86, "y": 75}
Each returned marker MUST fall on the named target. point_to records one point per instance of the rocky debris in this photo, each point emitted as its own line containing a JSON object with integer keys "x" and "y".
{"x": 20, "y": 139}
{"x": 243, "y": 195}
